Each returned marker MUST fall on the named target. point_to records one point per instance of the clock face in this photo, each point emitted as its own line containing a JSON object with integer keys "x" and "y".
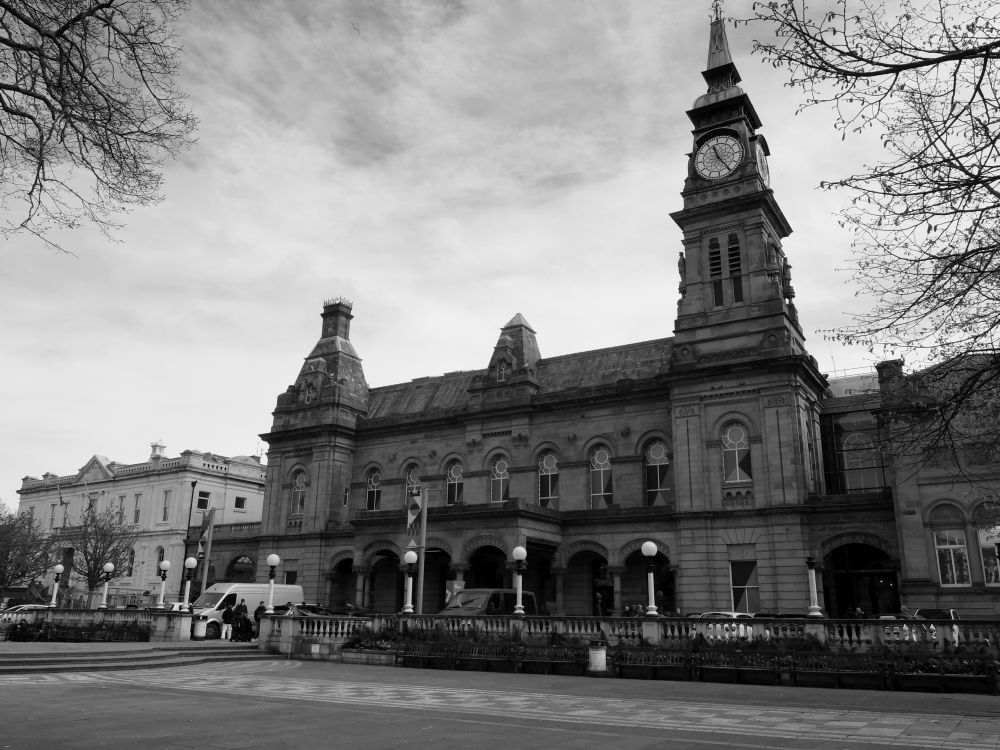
{"x": 718, "y": 157}
{"x": 765, "y": 175}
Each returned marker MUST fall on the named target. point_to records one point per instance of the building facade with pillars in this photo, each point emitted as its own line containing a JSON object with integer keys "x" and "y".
{"x": 722, "y": 443}
{"x": 162, "y": 496}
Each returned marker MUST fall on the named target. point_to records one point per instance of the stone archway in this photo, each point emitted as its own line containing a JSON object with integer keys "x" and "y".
{"x": 343, "y": 583}
{"x": 487, "y": 568}
{"x": 860, "y": 575}
{"x": 635, "y": 583}
{"x": 588, "y": 587}
{"x": 241, "y": 569}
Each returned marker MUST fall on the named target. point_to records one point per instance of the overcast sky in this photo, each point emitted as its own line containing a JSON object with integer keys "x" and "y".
{"x": 445, "y": 166}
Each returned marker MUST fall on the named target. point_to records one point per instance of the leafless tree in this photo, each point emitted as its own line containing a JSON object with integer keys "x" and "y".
{"x": 25, "y": 551}
{"x": 925, "y": 220}
{"x": 88, "y": 110}
{"x": 100, "y": 538}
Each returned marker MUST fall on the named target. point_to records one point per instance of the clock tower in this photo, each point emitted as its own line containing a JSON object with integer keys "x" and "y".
{"x": 744, "y": 390}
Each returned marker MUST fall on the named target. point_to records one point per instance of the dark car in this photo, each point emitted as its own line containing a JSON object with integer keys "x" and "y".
{"x": 936, "y": 614}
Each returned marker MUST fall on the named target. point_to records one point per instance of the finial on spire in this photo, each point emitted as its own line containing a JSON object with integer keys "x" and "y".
{"x": 716, "y": 10}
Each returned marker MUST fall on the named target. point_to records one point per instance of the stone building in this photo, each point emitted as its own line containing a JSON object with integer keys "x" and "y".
{"x": 723, "y": 443}
{"x": 163, "y": 497}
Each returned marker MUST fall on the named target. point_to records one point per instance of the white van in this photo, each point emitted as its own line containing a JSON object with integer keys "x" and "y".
{"x": 218, "y": 596}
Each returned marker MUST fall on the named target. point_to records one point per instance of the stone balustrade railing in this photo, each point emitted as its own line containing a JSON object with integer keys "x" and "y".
{"x": 325, "y": 635}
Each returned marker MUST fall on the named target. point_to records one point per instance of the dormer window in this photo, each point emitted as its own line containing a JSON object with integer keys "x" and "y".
{"x": 501, "y": 371}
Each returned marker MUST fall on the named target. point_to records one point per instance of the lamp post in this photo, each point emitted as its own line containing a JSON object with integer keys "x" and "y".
{"x": 814, "y": 608}
{"x": 108, "y": 569}
{"x": 273, "y": 561}
{"x": 189, "y": 564}
{"x": 164, "y": 567}
{"x": 519, "y": 554}
{"x": 649, "y": 550}
{"x": 58, "y": 570}
{"x": 410, "y": 558}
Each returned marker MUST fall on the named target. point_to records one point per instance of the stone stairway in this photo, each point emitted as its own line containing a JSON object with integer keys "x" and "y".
{"x": 103, "y": 657}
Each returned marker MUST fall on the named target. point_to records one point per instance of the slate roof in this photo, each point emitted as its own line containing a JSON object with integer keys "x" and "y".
{"x": 556, "y": 375}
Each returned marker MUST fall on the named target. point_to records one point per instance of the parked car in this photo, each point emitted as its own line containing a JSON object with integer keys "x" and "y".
{"x": 18, "y": 612}
{"x": 305, "y": 610}
{"x": 725, "y": 616}
{"x": 488, "y": 602}
{"x": 936, "y": 614}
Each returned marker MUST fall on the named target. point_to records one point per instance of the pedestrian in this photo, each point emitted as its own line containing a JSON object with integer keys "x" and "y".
{"x": 227, "y": 622}
{"x": 241, "y": 608}
{"x": 291, "y": 610}
{"x": 257, "y": 614}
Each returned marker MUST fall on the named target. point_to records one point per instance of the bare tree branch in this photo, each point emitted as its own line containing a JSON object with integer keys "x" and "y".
{"x": 88, "y": 110}
{"x": 925, "y": 220}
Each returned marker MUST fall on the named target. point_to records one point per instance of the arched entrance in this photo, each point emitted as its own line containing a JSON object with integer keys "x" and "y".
{"x": 487, "y": 566}
{"x": 635, "y": 583}
{"x": 386, "y": 583}
{"x": 588, "y": 587}
{"x": 343, "y": 586}
{"x": 437, "y": 571}
{"x": 860, "y": 575}
{"x": 240, "y": 570}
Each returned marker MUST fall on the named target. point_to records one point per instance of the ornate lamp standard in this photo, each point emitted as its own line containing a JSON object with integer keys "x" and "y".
{"x": 273, "y": 561}
{"x": 410, "y": 558}
{"x": 814, "y": 609}
{"x": 108, "y": 569}
{"x": 58, "y": 570}
{"x": 190, "y": 564}
{"x": 520, "y": 554}
{"x": 164, "y": 567}
{"x": 649, "y": 550}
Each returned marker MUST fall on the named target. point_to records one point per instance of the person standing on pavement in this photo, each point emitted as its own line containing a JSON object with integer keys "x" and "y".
{"x": 227, "y": 622}
{"x": 241, "y": 609}
{"x": 257, "y": 614}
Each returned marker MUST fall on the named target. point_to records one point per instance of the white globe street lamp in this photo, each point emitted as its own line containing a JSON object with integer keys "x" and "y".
{"x": 649, "y": 550}
{"x": 108, "y": 569}
{"x": 520, "y": 554}
{"x": 273, "y": 561}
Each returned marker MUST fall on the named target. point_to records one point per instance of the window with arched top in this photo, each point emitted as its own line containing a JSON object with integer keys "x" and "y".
{"x": 736, "y": 465}
{"x": 501, "y": 371}
{"x": 952, "y": 557}
{"x": 297, "y": 495}
{"x": 499, "y": 479}
{"x": 454, "y": 481}
{"x": 548, "y": 479}
{"x": 601, "y": 487}
{"x": 411, "y": 483}
{"x": 160, "y": 555}
{"x": 656, "y": 471}
{"x": 373, "y": 490}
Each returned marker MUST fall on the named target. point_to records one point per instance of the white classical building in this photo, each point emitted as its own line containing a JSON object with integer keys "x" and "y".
{"x": 162, "y": 496}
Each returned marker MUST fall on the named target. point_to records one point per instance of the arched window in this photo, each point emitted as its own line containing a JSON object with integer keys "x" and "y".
{"x": 656, "y": 461}
{"x": 297, "y": 498}
{"x": 455, "y": 482}
{"x": 601, "y": 494}
{"x": 548, "y": 479}
{"x": 412, "y": 482}
{"x": 373, "y": 493}
{"x": 736, "y": 453}
{"x": 160, "y": 554}
{"x": 501, "y": 371}
{"x": 953, "y": 557}
{"x": 499, "y": 480}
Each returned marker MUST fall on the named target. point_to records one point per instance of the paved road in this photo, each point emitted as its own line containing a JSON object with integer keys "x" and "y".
{"x": 280, "y": 704}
